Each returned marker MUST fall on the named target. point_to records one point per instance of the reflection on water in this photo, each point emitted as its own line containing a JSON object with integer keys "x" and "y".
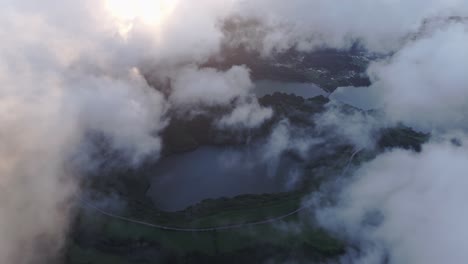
{"x": 214, "y": 172}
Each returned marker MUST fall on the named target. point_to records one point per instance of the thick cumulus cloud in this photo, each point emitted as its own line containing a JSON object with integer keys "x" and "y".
{"x": 72, "y": 68}
{"x": 380, "y": 26}
{"x": 47, "y": 105}
{"x": 405, "y": 207}
{"x": 194, "y": 90}
{"x": 34, "y": 181}
{"x": 195, "y": 87}
{"x": 68, "y": 68}
{"x": 186, "y": 32}
{"x": 247, "y": 114}
{"x": 188, "y": 35}
{"x": 393, "y": 206}
{"x": 425, "y": 83}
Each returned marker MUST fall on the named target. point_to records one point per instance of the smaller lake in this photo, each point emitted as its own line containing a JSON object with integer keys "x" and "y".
{"x": 215, "y": 172}
{"x": 365, "y": 98}
{"x": 306, "y": 90}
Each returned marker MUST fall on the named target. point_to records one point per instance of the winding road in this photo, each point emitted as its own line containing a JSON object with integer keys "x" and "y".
{"x": 208, "y": 229}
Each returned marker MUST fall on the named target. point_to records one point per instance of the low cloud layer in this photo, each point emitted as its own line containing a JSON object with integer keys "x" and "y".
{"x": 380, "y": 26}
{"x": 405, "y": 207}
{"x": 424, "y": 84}
{"x": 72, "y": 68}
{"x": 350, "y": 125}
{"x": 69, "y": 68}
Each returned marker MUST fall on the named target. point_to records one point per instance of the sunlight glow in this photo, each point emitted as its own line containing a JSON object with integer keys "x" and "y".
{"x": 149, "y": 12}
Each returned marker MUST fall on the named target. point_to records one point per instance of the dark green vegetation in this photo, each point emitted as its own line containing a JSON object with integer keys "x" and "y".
{"x": 98, "y": 238}
{"x": 101, "y": 239}
{"x": 183, "y": 135}
{"x": 402, "y": 137}
{"x": 329, "y": 69}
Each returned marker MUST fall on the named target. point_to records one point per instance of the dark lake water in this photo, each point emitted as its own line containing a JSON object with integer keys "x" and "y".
{"x": 214, "y": 172}
{"x": 360, "y": 97}
{"x": 306, "y": 90}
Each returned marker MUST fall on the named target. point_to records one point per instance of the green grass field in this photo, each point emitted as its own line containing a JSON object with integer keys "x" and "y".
{"x": 284, "y": 235}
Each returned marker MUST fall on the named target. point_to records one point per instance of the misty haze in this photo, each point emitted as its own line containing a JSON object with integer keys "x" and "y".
{"x": 233, "y": 131}
{"x": 210, "y": 173}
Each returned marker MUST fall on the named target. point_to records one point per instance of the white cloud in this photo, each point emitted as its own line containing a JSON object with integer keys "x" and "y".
{"x": 246, "y": 115}
{"x": 381, "y": 26}
{"x": 424, "y": 84}
{"x": 193, "y": 87}
{"x": 65, "y": 69}
{"x": 420, "y": 200}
